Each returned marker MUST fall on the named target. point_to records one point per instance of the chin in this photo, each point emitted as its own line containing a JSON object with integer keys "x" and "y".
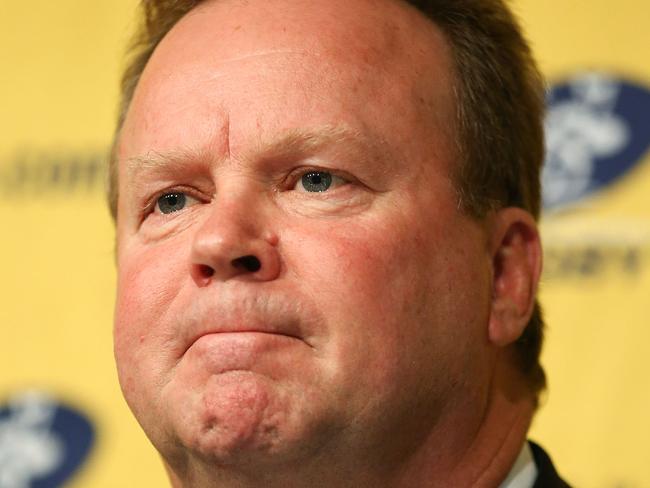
{"x": 240, "y": 416}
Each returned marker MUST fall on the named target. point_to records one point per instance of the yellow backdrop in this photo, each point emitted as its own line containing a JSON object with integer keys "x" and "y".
{"x": 59, "y": 68}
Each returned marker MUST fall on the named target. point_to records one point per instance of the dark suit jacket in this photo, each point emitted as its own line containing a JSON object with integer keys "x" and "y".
{"x": 547, "y": 477}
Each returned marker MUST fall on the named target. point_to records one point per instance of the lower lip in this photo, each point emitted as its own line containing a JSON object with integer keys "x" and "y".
{"x": 246, "y": 335}
{"x": 237, "y": 349}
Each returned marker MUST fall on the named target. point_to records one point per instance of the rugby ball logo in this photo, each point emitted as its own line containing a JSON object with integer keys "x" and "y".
{"x": 597, "y": 129}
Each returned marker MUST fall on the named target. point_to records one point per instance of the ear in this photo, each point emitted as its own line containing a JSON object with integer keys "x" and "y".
{"x": 517, "y": 263}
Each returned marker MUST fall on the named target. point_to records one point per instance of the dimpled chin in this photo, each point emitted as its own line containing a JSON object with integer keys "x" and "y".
{"x": 240, "y": 414}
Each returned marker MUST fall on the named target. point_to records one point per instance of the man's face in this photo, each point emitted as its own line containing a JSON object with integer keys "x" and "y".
{"x": 317, "y": 137}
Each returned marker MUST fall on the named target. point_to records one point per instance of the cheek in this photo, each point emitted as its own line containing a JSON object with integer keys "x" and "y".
{"x": 370, "y": 268}
{"x": 369, "y": 284}
{"x": 397, "y": 289}
{"x": 148, "y": 281}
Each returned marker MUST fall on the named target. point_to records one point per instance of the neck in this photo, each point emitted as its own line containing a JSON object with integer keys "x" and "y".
{"x": 483, "y": 454}
{"x": 474, "y": 445}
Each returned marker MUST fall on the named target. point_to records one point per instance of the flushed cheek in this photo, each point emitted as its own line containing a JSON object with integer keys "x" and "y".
{"x": 385, "y": 284}
{"x": 374, "y": 263}
{"x": 149, "y": 280}
{"x": 366, "y": 282}
{"x": 152, "y": 276}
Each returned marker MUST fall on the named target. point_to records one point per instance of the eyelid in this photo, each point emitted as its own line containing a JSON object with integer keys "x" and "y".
{"x": 294, "y": 177}
{"x": 152, "y": 202}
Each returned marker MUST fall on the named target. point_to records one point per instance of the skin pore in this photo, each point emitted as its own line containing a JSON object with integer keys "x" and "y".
{"x": 369, "y": 340}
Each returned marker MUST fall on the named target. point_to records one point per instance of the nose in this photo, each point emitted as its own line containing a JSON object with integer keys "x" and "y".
{"x": 234, "y": 242}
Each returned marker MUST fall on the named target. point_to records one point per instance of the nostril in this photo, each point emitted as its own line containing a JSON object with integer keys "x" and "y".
{"x": 249, "y": 263}
{"x": 206, "y": 271}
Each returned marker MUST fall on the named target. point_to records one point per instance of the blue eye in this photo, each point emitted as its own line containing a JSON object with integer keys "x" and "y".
{"x": 171, "y": 202}
{"x": 316, "y": 181}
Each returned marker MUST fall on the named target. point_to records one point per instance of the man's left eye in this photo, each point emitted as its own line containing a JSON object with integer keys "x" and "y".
{"x": 173, "y": 202}
{"x": 318, "y": 181}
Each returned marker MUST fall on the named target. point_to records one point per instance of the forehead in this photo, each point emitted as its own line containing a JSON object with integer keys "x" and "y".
{"x": 330, "y": 57}
{"x": 377, "y": 32}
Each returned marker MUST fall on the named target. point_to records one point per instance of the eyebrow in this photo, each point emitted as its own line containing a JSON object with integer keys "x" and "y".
{"x": 299, "y": 141}
{"x": 296, "y": 142}
{"x": 155, "y": 161}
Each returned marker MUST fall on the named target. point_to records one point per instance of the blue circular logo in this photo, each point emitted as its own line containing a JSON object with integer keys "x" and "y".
{"x": 42, "y": 442}
{"x": 597, "y": 129}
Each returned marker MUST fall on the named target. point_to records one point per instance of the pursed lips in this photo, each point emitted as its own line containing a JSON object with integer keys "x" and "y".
{"x": 271, "y": 331}
{"x": 230, "y": 312}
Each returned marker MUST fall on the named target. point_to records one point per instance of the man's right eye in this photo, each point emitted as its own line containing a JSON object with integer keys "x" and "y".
{"x": 173, "y": 202}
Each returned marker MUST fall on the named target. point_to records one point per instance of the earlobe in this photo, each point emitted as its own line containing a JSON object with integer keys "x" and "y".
{"x": 517, "y": 262}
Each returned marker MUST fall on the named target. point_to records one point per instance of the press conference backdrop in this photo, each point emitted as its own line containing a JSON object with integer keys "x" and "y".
{"x": 62, "y": 419}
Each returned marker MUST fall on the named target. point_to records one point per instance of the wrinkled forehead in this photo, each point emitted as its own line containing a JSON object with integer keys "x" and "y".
{"x": 366, "y": 61}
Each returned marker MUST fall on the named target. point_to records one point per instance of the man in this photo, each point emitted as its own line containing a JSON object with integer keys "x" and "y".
{"x": 326, "y": 243}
